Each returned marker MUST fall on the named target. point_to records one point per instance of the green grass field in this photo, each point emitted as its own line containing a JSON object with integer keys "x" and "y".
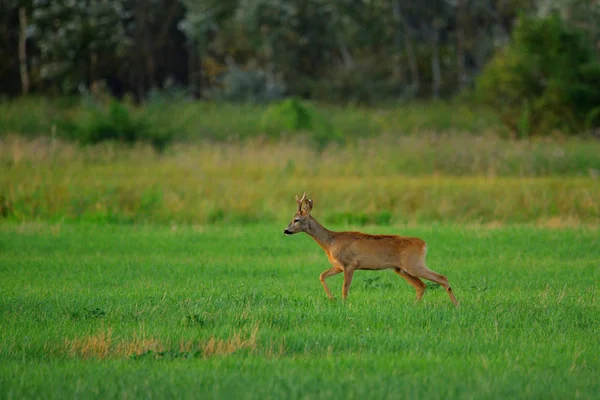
{"x": 127, "y": 272}
{"x": 115, "y": 311}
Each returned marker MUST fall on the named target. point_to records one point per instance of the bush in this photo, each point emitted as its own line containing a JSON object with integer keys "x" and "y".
{"x": 547, "y": 79}
{"x": 294, "y": 115}
{"x": 117, "y": 122}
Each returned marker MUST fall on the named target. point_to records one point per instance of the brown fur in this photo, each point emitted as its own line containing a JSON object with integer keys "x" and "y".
{"x": 351, "y": 251}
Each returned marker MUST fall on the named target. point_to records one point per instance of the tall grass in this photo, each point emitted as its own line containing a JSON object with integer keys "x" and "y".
{"x": 409, "y": 179}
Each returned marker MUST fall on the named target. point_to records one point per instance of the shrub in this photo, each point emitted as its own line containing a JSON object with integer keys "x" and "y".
{"x": 294, "y": 115}
{"x": 547, "y": 79}
{"x": 117, "y": 122}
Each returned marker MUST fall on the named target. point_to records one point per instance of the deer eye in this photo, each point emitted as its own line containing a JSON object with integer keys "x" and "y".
{"x": 296, "y": 220}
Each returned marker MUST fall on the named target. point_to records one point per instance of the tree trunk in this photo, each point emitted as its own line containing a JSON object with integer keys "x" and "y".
{"x": 436, "y": 72}
{"x": 194, "y": 68}
{"x": 23, "y": 50}
{"x": 412, "y": 58}
{"x": 504, "y": 34}
{"x": 138, "y": 70}
{"x": 460, "y": 44}
{"x": 480, "y": 50}
{"x": 348, "y": 61}
{"x": 148, "y": 48}
{"x": 270, "y": 65}
{"x": 93, "y": 65}
{"x": 398, "y": 71}
{"x": 499, "y": 34}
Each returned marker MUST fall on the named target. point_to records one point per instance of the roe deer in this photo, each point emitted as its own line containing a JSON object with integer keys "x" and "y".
{"x": 351, "y": 251}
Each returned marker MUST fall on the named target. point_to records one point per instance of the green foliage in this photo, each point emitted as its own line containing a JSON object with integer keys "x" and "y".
{"x": 239, "y": 312}
{"x": 346, "y": 51}
{"x": 366, "y": 84}
{"x": 546, "y": 80}
{"x": 34, "y": 116}
{"x": 76, "y": 37}
{"x": 294, "y": 115}
{"x": 115, "y": 122}
{"x": 250, "y": 85}
{"x": 118, "y": 122}
{"x": 296, "y": 36}
{"x": 362, "y": 51}
{"x": 194, "y": 121}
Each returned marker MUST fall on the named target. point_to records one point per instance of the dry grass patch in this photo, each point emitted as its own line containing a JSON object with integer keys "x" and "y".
{"x": 103, "y": 344}
{"x": 98, "y": 345}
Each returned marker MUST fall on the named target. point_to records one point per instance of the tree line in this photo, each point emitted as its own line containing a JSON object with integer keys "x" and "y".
{"x": 347, "y": 50}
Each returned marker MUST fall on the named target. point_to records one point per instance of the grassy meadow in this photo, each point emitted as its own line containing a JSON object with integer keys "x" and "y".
{"x": 453, "y": 179}
{"x": 91, "y": 310}
{"x": 132, "y": 272}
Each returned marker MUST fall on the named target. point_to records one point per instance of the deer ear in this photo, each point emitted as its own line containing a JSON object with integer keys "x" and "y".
{"x": 301, "y": 202}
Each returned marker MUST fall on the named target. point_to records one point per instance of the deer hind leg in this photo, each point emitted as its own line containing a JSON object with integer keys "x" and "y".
{"x": 348, "y": 273}
{"x": 420, "y": 270}
{"x": 413, "y": 281}
{"x": 326, "y": 274}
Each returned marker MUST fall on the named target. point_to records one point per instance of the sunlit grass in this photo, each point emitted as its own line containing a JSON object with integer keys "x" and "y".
{"x": 122, "y": 311}
{"x": 375, "y": 182}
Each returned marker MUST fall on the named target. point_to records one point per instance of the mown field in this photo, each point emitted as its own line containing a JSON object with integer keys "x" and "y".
{"x": 115, "y": 311}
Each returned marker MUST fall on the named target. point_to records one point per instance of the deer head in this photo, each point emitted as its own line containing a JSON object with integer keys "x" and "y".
{"x": 301, "y": 218}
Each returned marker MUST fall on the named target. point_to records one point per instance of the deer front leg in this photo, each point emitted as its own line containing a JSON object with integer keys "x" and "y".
{"x": 348, "y": 273}
{"x": 330, "y": 272}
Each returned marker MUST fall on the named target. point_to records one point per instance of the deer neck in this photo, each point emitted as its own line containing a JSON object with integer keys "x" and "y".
{"x": 321, "y": 235}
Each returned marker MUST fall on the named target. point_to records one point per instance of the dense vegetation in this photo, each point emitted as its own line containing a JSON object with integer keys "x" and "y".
{"x": 547, "y": 79}
{"x": 544, "y": 75}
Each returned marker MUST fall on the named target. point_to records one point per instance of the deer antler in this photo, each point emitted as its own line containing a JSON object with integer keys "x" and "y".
{"x": 299, "y": 201}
